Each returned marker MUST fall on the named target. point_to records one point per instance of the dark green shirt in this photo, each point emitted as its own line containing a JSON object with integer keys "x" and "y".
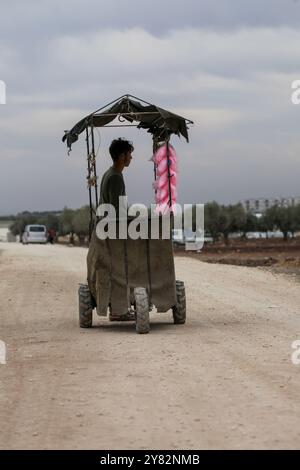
{"x": 112, "y": 186}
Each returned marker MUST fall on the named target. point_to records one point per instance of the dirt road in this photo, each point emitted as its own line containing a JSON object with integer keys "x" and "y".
{"x": 223, "y": 380}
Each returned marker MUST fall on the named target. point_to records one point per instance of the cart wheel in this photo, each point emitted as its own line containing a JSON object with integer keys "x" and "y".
{"x": 142, "y": 324}
{"x": 85, "y": 306}
{"x": 179, "y": 310}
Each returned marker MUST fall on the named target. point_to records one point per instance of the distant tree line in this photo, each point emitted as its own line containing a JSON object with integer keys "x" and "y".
{"x": 68, "y": 221}
{"x": 220, "y": 221}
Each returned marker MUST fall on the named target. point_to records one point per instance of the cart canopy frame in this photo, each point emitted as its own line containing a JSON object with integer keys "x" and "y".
{"x": 156, "y": 120}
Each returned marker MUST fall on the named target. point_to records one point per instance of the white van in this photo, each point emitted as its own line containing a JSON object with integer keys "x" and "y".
{"x": 34, "y": 234}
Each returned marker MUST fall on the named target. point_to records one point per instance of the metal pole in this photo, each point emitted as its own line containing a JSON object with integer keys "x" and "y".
{"x": 169, "y": 174}
{"x": 154, "y": 150}
{"x": 89, "y": 186}
{"x": 94, "y": 164}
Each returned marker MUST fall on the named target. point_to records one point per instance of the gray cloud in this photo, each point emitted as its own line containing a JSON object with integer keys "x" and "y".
{"x": 228, "y": 65}
{"x": 47, "y": 19}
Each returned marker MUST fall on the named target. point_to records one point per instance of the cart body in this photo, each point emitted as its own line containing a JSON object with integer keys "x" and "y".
{"x": 116, "y": 267}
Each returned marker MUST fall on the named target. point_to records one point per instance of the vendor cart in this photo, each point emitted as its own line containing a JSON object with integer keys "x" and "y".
{"x": 129, "y": 275}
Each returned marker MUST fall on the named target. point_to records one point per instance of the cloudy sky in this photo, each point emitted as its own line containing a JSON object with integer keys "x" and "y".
{"x": 226, "y": 64}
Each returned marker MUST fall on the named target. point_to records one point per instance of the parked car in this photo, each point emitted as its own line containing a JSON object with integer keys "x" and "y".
{"x": 34, "y": 234}
{"x": 192, "y": 240}
{"x": 178, "y": 236}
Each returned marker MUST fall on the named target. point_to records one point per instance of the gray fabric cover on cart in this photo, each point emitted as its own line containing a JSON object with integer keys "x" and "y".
{"x": 115, "y": 267}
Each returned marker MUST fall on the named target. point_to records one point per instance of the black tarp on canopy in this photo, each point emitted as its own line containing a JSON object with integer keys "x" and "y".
{"x": 159, "y": 122}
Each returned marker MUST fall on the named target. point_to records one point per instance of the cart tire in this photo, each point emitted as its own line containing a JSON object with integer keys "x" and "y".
{"x": 179, "y": 310}
{"x": 142, "y": 323}
{"x": 85, "y": 306}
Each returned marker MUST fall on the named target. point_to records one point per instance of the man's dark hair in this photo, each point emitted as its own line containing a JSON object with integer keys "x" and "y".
{"x": 119, "y": 146}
